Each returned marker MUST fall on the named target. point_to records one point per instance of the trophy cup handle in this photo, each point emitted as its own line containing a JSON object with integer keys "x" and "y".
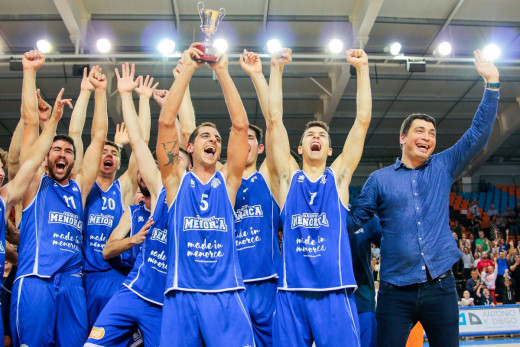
{"x": 222, "y": 12}
{"x": 200, "y": 8}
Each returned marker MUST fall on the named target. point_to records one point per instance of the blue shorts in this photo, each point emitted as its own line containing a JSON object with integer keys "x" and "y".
{"x": 99, "y": 288}
{"x": 206, "y": 319}
{"x": 49, "y": 311}
{"x": 368, "y": 324}
{"x": 120, "y": 317}
{"x": 328, "y": 318}
{"x": 261, "y": 300}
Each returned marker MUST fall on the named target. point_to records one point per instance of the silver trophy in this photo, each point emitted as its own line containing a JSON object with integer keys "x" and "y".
{"x": 210, "y": 20}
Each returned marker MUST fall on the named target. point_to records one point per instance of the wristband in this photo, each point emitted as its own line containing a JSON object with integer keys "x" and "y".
{"x": 493, "y": 85}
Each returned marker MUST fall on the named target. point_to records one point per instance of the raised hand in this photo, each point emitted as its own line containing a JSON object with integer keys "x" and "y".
{"x": 191, "y": 54}
{"x": 139, "y": 238}
{"x": 357, "y": 57}
{"x": 44, "y": 109}
{"x": 97, "y": 78}
{"x": 57, "y": 112}
{"x": 221, "y": 64}
{"x": 250, "y": 62}
{"x": 121, "y": 135}
{"x": 486, "y": 68}
{"x": 125, "y": 81}
{"x": 85, "y": 83}
{"x": 33, "y": 60}
{"x": 178, "y": 68}
{"x": 281, "y": 58}
{"x": 146, "y": 88}
{"x": 160, "y": 96}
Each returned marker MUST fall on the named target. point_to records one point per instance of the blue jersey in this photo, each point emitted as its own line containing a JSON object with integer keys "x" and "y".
{"x": 202, "y": 255}
{"x": 102, "y": 212}
{"x": 148, "y": 276}
{"x": 315, "y": 246}
{"x": 50, "y": 238}
{"x": 2, "y": 235}
{"x": 256, "y": 228}
{"x": 361, "y": 245}
{"x": 139, "y": 214}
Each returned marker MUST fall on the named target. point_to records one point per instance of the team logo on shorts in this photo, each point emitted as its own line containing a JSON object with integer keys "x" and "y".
{"x": 97, "y": 333}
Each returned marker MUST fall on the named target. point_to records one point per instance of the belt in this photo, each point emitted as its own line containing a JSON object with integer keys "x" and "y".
{"x": 443, "y": 275}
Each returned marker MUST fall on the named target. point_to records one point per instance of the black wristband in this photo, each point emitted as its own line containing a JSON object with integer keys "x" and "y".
{"x": 493, "y": 85}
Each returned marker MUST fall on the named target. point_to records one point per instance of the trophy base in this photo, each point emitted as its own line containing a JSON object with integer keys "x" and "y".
{"x": 207, "y": 57}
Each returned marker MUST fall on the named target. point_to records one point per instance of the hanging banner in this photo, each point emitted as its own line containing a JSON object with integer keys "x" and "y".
{"x": 488, "y": 320}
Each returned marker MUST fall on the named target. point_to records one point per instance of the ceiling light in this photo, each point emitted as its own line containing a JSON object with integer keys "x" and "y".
{"x": 221, "y": 45}
{"x": 491, "y": 52}
{"x": 166, "y": 46}
{"x": 43, "y": 46}
{"x": 103, "y": 45}
{"x": 335, "y": 46}
{"x": 444, "y": 48}
{"x": 395, "y": 48}
{"x": 274, "y": 46}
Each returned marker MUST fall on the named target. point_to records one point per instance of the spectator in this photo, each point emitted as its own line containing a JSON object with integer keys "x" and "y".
{"x": 473, "y": 283}
{"x": 512, "y": 221}
{"x": 474, "y": 208}
{"x": 376, "y": 252}
{"x": 514, "y": 273}
{"x": 472, "y": 242}
{"x": 375, "y": 268}
{"x": 457, "y": 228}
{"x": 476, "y": 256}
{"x": 502, "y": 222}
{"x": 502, "y": 266}
{"x": 476, "y": 224}
{"x": 512, "y": 254}
{"x": 507, "y": 293}
{"x": 467, "y": 260}
{"x": 467, "y": 300}
{"x": 489, "y": 276}
{"x": 492, "y": 213}
{"x": 484, "y": 262}
{"x": 484, "y": 297}
{"x": 482, "y": 240}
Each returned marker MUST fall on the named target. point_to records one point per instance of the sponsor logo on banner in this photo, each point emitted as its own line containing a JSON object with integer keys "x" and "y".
{"x": 498, "y": 320}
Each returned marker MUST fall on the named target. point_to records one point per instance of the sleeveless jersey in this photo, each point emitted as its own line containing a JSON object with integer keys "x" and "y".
{"x": 50, "y": 238}
{"x": 102, "y": 213}
{"x": 148, "y": 276}
{"x": 202, "y": 255}
{"x": 256, "y": 229}
{"x": 2, "y": 235}
{"x": 316, "y": 251}
{"x": 138, "y": 217}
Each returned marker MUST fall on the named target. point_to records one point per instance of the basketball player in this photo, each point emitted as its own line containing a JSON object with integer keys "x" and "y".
{"x": 315, "y": 292}
{"x": 203, "y": 303}
{"x": 49, "y": 305}
{"x": 256, "y": 220}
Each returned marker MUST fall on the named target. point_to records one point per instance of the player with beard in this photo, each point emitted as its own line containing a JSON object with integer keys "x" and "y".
{"x": 203, "y": 303}
{"x": 139, "y": 302}
{"x": 105, "y": 205}
{"x": 48, "y": 282}
{"x": 256, "y": 220}
{"x": 315, "y": 299}
{"x": 13, "y": 191}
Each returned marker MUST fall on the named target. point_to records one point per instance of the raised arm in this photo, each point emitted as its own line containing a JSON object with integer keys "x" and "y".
{"x": 237, "y": 143}
{"x": 186, "y": 111}
{"x": 167, "y": 149}
{"x": 128, "y": 179}
{"x": 15, "y": 190}
{"x": 31, "y": 62}
{"x": 347, "y": 162}
{"x": 144, "y": 158}
{"x": 118, "y": 243}
{"x": 77, "y": 120}
{"x": 145, "y": 91}
{"x": 87, "y": 174}
{"x": 281, "y": 162}
{"x": 252, "y": 65}
{"x": 14, "y": 150}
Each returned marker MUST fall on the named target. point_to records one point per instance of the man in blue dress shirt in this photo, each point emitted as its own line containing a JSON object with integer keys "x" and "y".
{"x": 417, "y": 249}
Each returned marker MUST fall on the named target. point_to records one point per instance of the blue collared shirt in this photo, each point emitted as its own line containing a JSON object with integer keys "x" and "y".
{"x": 413, "y": 208}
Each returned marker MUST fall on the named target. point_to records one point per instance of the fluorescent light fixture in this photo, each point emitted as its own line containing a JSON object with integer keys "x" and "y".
{"x": 491, "y": 52}
{"x": 103, "y": 45}
{"x": 44, "y": 46}
{"x": 274, "y": 46}
{"x": 444, "y": 48}
{"x": 221, "y": 45}
{"x": 166, "y": 46}
{"x": 335, "y": 46}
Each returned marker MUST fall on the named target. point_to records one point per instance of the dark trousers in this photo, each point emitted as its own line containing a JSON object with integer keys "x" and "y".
{"x": 433, "y": 303}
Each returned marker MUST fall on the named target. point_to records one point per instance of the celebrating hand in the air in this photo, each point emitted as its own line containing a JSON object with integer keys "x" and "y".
{"x": 125, "y": 81}
{"x": 160, "y": 96}
{"x": 178, "y": 68}
{"x": 44, "y": 109}
{"x": 357, "y": 57}
{"x": 97, "y": 78}
{"x": 121, "y": 135}
{"x": 486, "y": 68}
{"x": 221, "y": 63}
{"x": 33, "y": 60}
{"x": 85, "y": 83}
{"x": 146, "y": 87}
{"x": 282, "y": 57}
{"x": 57, "y": 112}
{"x": 190, "y": 55}
{"x": 250, "y": 62}
{"x": 139, "y": 238}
